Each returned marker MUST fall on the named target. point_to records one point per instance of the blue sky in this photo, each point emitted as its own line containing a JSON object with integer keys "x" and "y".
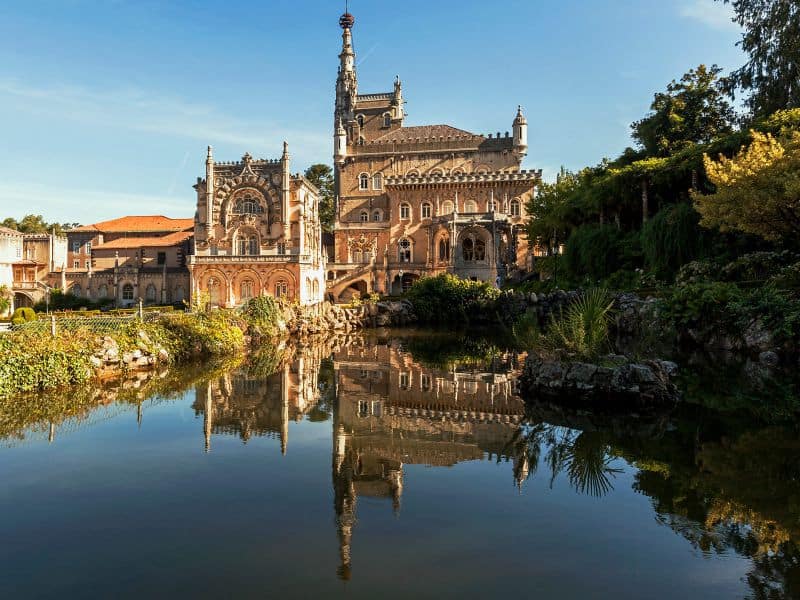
{"x": 107, "y": 106}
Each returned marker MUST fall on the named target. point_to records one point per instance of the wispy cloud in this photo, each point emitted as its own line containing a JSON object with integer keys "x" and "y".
{"x": 143, "y": 111}
{"x": 713, "y": 13}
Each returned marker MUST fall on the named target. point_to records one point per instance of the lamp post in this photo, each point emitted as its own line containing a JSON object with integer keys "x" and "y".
{"x": 555, "y": 259}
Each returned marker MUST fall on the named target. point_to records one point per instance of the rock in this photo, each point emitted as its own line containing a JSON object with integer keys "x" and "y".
{"x": 163, "y": 355}
{"x": 533, "y": 298}
{"x": 137, "y": 354}
{"x": 757, "y": 337}
{"x": 96, "y": 362}
{"x": 145, "y": 338}
{"x": 127, "y": 358}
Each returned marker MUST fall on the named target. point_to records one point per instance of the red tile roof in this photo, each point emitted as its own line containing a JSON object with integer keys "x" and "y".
{"x": 139, "y": 223}
{"x": 422, "y": 132}
{"x": 9, "y": 231}
{"x": 173, "y": 239}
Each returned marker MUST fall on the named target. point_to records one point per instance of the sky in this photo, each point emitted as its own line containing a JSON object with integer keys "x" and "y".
{"x": 107, "y": 106}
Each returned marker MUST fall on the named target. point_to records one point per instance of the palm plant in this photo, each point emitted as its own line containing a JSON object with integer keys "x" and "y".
{"x": 582, "y": 329}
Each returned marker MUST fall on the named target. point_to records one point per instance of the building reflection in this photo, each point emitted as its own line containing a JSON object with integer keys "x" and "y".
{"x": 245, "y": 403}
{"x": 391, "y": 411}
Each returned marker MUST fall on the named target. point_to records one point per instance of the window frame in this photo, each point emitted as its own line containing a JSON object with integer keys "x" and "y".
{"x": 363, "y": 181}
{"x": 405, "y": 211}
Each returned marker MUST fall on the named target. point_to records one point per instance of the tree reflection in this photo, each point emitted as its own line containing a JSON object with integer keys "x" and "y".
{"x": 585, "y": 457}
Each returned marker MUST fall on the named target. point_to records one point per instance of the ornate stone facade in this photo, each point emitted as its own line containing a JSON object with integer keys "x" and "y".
{"x": 422, "y": 200}
{"x": 257, "y": 232}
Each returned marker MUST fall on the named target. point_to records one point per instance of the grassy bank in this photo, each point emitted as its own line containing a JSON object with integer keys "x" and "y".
{"x": 32, "y": 360}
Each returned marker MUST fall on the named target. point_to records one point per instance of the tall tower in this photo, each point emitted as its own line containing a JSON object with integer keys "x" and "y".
{"x": 346, "y": 92}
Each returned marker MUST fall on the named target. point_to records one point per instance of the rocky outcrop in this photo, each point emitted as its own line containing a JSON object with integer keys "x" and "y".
{"x": 614, "y": 378}
{"x": 108, "y": 359}
{"x": 328, "y": 317}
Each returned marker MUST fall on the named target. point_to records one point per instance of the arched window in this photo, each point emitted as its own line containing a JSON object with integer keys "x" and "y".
{"x": 387, "y": 120}
{"x": 405, "y": 210}
{"x": 426, "y": 210}
{"x": 316, "y": 289}
{"x": 468, "y": 249}
{"x": 480, "y": 250}
{"x": 444, "y": 250}
{"x": 309, "y": 289}
{"x": 102, "y": 291}
{"x": 281, "y": 288}
{"x": 363, "y": 181}
{"x": 246, "y": 288}
{"x": 364, "y": 217}
{"x": 360, "y": 119}
{"x": 214, "y": 290}
{"x": 356, "y": 255}
{"x": 404, "y": 250}
{"x": 76, "y": 290}
{"x": 150, "y": 293}
{"x": 127, "y": 291}
{"x": 492, "y": 205}
{"x": 447, "y": 207}
{"x": 179, "y": 294}
{"x": 377, "y": 181}
{"x": 515, "y": 208}
{"x": 377, "y": 215}
{"x": 248, "y": 206}
{"x": 470, "y": 206}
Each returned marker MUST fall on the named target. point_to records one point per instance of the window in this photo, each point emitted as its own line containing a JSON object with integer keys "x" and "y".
{"x": 248, "y": 206}
{"x": 363, "y": 181}
{"x": 102, "y": 291}
{"x": 361, "y": 140}
{"x": 89, "y": 247}
{"x": 405, "y": 381}
{"x": 150, "y": 293}
{"x": 360, "y": 119}
{"x": 281, "y": 248}
{"x": 76, "y": 264}
{"x": 377, "y": 181}
{"x": 76, "y": 247}
{"x": 377, "y": 215}
{"x": 127, "y": 291}
{"x": 447, "y": 207}
{"x": 387, "y": 120}
{"x": 162, "y": 258}
{"x": 88, "y": 265}
{"x": 470, "y": 206}
{"x": 281, "y": 289}
{"x": 214, "y": 250}
{"x": 426, "y": 210}
{"x": 254, "y": 246}
{"x": 468, "y": 249}
{"x": 405, "y": 210}
{"x": 444, "y": 250}
{"x": 76, "y": 290}
{"x": 364, "y": 216}
{"x": 492, "y": 205}
{"x": 179, "y": 294}
{"x": 356, "y": 256}
{"x": 404, "y": 247}
{"x": 426, "y": 382}
{"x": 515, "y": 208}
{"x": 363, "y": 409}
{"x": 246, "y": 290}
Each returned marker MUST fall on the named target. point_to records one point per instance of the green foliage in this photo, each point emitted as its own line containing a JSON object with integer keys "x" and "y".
{"x": 263, "y": 315}
{"x": 30, "y": 361}
{"x": 552, "y": 209}
{"x": 701, "y": 303}
{"x": 594, "y": 252}
{"x": 672, "y": 238}
{"x": 772, "y": 71}
{"x": 66, "y": 301}
{"x": 526, "y": 330}
{"x": 448, "y": 351}
{"x": 447, "y": 298}
{"x": 23, "y": 315}
{"x": 215, "y": 333}
{"x": 693, "y": 110}
{"x": 581, "y": 330}
{"x": 5, "y": 299}
{"x": 322, "y": 177}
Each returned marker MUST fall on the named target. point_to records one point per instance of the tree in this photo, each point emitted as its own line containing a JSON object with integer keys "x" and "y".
{"x": 758, "y": 190}
{"x": 322, "y": 177}
{"x": 770, "y": 38}
{"x": 693, "y": 110}
{"x": 549, "y": 209}
{"x": 36, "y": 224}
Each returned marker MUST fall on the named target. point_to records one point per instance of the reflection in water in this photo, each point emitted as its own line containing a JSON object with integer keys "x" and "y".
{"x": 722, "y": 485}
{"x": 391, "y": 410}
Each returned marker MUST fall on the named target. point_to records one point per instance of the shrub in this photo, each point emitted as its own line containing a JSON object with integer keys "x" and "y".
{"x": 263, "y": 315}
{"x": 672, "y": 238}
{"x": 447, "y": 298}
{"x": 23, "y": 315}
{"x": 216, "y": 333}
{"x": 595, "y": 252}
{"x": 582, "y": 329}
{"x": 696, "y": 303}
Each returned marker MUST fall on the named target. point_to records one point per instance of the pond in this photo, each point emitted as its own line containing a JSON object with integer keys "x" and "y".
{"x": 399, "y": 466}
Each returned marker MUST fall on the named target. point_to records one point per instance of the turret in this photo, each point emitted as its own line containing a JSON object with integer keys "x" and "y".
{"x": 285, "y": 192}
{"x": 520, "y": 134}
{"x": 209, "y": 192}
{"x": 397, "y": 99}
{"x": 339, "y": 143}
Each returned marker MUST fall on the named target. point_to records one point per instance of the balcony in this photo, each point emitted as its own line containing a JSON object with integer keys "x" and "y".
{"x": 271, "y": 259}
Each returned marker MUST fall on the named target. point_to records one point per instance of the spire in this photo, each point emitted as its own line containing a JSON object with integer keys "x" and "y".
{"x": 520, "y": 134}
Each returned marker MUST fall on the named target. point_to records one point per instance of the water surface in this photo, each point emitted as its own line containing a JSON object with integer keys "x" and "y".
{"x": 399, "y": 466}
